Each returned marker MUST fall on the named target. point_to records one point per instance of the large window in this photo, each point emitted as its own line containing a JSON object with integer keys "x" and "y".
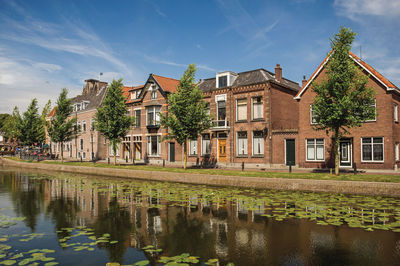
{"x": 241, "y": 143}
{"x": 396, "y": 112}
{"x": 315, "y": 150}
{"x": 111, "y": 152}
{"x": 137, "y": 118}
{"x": 153, "y": 146}
{"x": 241, "y": 110}
{"x": 193, "y": 147}
{"x": 372, "y": 149}
{"x": 222, "y": 81}
{"x": 313, "y": 116}
{"x": 257, "y": 107}
{"x": 153, "y": 115}
{"x": 205, "y": 144}
{"x": 258, "y": 143}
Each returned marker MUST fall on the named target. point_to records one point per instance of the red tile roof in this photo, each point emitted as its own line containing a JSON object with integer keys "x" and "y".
{"x": 167, "y": 84}
{"x": 369, "y": 68}
{"x": 52, "y": 112}
{"x": 125, "y": 91}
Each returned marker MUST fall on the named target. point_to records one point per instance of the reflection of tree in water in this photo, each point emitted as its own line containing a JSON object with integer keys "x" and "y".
{"x": 188, "y": 235}
{"x": 27, "y": 196}
{"x": 116, "y": 222}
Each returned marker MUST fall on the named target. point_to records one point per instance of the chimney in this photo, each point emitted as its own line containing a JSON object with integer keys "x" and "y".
{"x": 278, "y": 73}
{"x": 304, "y": 81}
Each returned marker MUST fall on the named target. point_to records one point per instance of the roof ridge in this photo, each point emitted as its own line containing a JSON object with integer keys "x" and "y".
{"x": 164, "y": 77}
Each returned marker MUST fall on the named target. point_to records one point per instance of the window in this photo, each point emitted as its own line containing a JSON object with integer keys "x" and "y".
{"x": 396, "y": 112}
{"x": 83, "y": 155}
{"x": 315, "y": 149}
{"x": 221, "y": 113}
{"x": 153, "y": 92}
{"x": 153, "y": 145}
{"x": 77, "y": 107}
{"x": 222, "y": 81}
{"x": 153, "y": 115}
{"x": 79, "y": 154}
{"x": 208, "y": 108}
{"x": 397, "y": 151}
{"x": 105, "y": 141}
{"x": 257, "y": 108}
{"x": 374, "y": 106}
{"x": 81, "y": 144}
{"x": 137, "y": 94}
{"x": 193, "y": 147}
{"x": 92, "y": 124}
{"x": 205, "y": 144}
{"x": 137, "y": 118}
{"x": 242, "y": 143}
{"x": 258, "y": 143}
{"x": 111, "y": 152}
{"x": 372, "y": 149}
{"x": 241, "y": 110}
{"x": 84, "y": 126}
{"x": 313, "y": 119}
{"x": 79, "y": 126}
{"x": 91, "y": 138}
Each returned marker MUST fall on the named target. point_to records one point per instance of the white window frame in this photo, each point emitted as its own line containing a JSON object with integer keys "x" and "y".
{"x": 92, "y": 124}
{"x": 156, "y": 117}
{"x": 372, "y": 150}
{"x": 83, "y": 125}
{"x": 153, "y": 92}
{"x": 237, "y": 109}
{"x": 315, "y": 150}
{"x": 79, "y": 126}
{"x": 396, "y": 112}
{"x": 312, "y": 116}
{"x": 158, "y": 154}
{"x": 83, "y": 155}
{"x": 252, "y": 108}
{"x": 373, "y": 120}
{"x": 239, "y": 149}
{"x": 193, "y": 147}
{"x": 111, "y": 152}
{"x": 253, "y": 143}
{"x": 204, "y": 148}
{"x": 397, "y": 152}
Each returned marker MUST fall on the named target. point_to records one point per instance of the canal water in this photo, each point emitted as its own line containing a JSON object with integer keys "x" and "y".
{"x": 57, "y": 218}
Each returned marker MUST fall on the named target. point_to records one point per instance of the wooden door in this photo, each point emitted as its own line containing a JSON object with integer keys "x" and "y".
{"x": 222, "y": 150}
{"x": 290, "y": 152}
{"x": 172, "y": 151}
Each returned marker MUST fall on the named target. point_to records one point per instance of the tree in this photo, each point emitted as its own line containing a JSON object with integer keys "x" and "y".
{"x": 343, "y": 100}
{"x": 111, "y": 119}
{"x": 3, "y": 118}
{"x": 30, "y": 128}
{"x": 187, "y": 113}
{"x": 10, "y": 128}
{"x": 62, "y": 128}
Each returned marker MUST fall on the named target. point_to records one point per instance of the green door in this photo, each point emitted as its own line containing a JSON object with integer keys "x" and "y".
{"x": 290, "y": 152}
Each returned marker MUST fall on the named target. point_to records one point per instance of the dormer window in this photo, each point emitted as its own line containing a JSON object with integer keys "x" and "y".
{"x": 77, "y": 107}
{"x": 84, "y": 105}
{"x": 225, "y": 79}
{"x": 137, "y": 94}
{"x": 222, "y": 81}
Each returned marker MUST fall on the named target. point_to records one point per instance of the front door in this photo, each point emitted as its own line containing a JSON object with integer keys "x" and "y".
{"x": 222, "y": 150}
{"x": 345, "y": 153}
{"x": 290, "y": 152}
{"x": 172, "y": 151}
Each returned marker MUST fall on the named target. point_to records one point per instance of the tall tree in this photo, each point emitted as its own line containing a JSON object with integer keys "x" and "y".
{"x": 30, "y": 127}
{"x": 343, "y": 100}
{"x": 10, "y": 127}
{"x": 111, "y": 119}
{"x": 61, "y": 127}
{"x": 187, "y": 113}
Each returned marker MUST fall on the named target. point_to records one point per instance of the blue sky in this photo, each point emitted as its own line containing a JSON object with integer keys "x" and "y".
{"x": 48, "y": 45}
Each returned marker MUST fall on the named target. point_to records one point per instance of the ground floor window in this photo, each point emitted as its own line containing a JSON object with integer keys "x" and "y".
{"x": 315, "y": 149}
{"x": 111, "y": 151}
{"x": 193, "y": 147}
{"x": 258, "y": 143}
{"x": 205, "y": 144}
{"x": 397, "y": 151}
{"x": 241, "y": 143}
{"x": 153, "y": 145}
{"x": 83, "y": 155}
{"x": 372, "y": 149}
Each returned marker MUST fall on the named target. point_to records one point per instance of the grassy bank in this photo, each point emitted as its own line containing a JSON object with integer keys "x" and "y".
{"x": 261, "y": 174}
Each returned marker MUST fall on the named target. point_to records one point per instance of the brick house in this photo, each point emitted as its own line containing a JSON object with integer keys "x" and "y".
{"x": 144, "y": 140}
{"x": 89, "y": 143}
{"x": 255, "y": 119}
{"x": 374, "y": 145}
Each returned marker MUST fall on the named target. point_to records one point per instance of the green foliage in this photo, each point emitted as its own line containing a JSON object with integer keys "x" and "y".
{"x": 9, "y": 127}
{"x": 30, "y": 128}
{"x": 111, "y": 119}
{"x": 343, "y": 100}
{"x": 3, "y": 118}
{"x": 61, "y": 128}
{"x": 187, "y": 116}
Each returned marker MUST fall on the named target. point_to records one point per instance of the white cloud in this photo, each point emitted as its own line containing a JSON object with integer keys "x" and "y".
{"x": 47, "y": 67}
{"x": 354, "y": 8}
{"x": 171, "y": 63}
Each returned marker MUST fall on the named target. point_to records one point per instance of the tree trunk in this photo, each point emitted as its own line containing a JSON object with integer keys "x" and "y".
{"x": 62, "y": 152}
{"x": 184, "y": 155}
{"x": 337, "y": 151}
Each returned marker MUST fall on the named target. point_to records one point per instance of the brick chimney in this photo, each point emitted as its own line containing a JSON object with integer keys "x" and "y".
{"x": 278, "y": 73}
{"x": 304, "y": 81}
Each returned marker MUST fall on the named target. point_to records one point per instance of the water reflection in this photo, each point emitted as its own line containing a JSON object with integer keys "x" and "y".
{"x": 202, "y": 221}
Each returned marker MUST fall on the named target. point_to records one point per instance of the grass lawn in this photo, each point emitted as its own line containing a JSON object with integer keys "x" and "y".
{"x": 262, "y": 174}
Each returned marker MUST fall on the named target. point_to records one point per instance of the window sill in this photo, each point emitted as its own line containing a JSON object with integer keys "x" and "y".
{"x": 379, "y": 162}
{"x": 258, "y": 156}
{"x": 242, "y": 156}
{"x": 154, "y": 156}
{"x": 241, "y": 121}
{"x": 315, "y": 161}
{"x": 192, "y": 155}
{"x": 258, "y": 120}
